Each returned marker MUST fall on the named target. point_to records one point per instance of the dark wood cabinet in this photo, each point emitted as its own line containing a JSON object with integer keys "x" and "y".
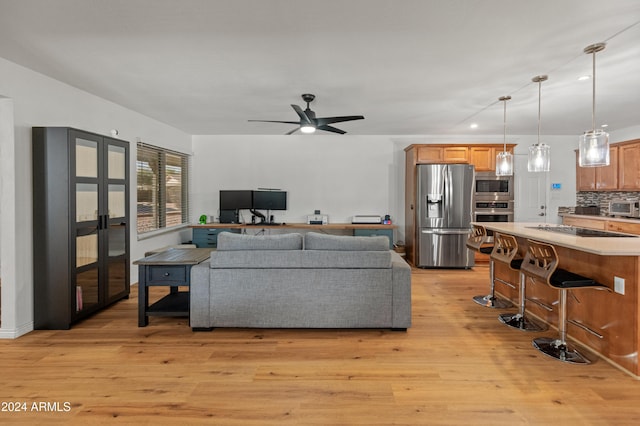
{"x": 81, "y": 224}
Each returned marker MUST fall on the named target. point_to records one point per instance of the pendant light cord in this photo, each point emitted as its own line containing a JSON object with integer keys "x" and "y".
{"x": 593, "y": 103}
{"x": 504, "y": 137}
{"x": 539, "y": 106}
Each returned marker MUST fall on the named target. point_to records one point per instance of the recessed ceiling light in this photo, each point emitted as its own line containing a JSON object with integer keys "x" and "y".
{"x": 584, "y": 77}
{"x": 474, "y": 125}
{"x": 605, "y": 125}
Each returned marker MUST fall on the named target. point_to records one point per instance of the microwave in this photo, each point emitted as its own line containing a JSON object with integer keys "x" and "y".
{"x": 489, "y": 186}
{"x": 626, "y": 208}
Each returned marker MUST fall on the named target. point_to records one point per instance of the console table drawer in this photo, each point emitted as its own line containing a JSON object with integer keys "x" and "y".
{"x": 161, "y": 274}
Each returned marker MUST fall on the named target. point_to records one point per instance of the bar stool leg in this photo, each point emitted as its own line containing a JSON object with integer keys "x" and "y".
{"x": 519, "y": 320}
{"x": 490, "y": 300}
{"x": 559, "y": 348}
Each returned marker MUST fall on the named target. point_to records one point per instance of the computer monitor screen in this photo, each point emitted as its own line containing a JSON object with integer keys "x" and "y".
{"x": 235, "y": 200}
{"x": 269, "y": 200}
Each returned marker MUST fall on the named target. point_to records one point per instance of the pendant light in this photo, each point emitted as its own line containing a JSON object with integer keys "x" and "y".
{"x": 539, "y": 160}
{"x": 504, "y": 159}
{"x": 594, "y": 143}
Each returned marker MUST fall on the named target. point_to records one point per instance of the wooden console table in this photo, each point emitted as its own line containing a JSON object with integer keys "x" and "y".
{"x": 206, "y": 235}
{"x": 171, "y": 268}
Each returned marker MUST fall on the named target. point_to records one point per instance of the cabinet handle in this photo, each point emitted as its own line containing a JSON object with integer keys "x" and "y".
{"x": 166, "y": 274}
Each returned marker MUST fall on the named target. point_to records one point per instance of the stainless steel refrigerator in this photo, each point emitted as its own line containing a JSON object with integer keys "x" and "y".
{"x": 444, "y": 204}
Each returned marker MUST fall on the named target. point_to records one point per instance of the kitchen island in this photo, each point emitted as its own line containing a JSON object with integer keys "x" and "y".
{"x": 612, "y": 316}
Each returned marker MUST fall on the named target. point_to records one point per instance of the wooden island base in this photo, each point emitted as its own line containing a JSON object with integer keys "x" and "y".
{"x": 614, "y": 318}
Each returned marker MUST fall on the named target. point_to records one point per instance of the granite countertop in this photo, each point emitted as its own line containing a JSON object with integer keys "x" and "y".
{"x": 604, "y": 246}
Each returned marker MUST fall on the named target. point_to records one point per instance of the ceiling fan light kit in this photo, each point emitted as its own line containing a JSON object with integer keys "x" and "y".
{"x": 504, "y": 159}
{"x": 593, "y": 145}
{"x": 309, "y": 123}
{"x": 539, "y": 153}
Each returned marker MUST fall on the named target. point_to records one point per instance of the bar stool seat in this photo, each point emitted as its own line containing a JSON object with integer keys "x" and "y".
{"x": 505, "y": 251}
{"x": 541, "y": 262}
{"x": 479, "y": 241}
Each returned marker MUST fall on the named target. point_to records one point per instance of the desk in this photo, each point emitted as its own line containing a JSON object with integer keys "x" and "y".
{"x": 206, "y": 235}
{"x": 614, "y": 315}
{"x": 171, "y": 268}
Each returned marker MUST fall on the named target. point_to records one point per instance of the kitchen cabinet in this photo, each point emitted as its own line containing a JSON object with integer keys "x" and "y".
{"x": 629, "y": 172}
{"x": 599, "y": 178}
{"x": 482, "y": 156}
{"x": 582, "y": 222}
{"x": 440, "y": 154}
{"x": 81, "y": 224}
{"x": 603, "y": 223}
{"x": 626, "y": 227}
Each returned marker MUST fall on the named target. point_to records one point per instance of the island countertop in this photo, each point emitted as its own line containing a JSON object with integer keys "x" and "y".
{"x": 605, "y": 246}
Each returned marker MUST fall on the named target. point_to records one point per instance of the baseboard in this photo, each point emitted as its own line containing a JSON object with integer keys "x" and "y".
{"x": 16, "y": 332}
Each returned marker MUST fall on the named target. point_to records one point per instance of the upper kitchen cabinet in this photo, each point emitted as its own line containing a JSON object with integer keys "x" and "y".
{"x": 629, "y": 172}
{"x": 442, "y": 154}
{"x": 482, "y": 156}
{"x": 599, "y": 178}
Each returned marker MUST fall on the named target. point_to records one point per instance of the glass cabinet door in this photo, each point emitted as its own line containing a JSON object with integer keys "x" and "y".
{"x": 86, "y": 202}
{"x": 117, "y": 162}
{"x": 117, "y": 201}
{"x": 117, "y": 260}
{"x": 87, "y": 269}
{"x": 86, "y": 158}
{"x": 117, "y": 272}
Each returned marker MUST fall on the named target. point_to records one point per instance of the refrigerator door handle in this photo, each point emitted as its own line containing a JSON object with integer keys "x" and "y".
{"x": 447, "y": 192}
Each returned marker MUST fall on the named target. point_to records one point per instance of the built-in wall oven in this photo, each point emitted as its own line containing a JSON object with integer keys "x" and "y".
{"x": 493, "y": 198}
{"x": 493, "y": 211}
{"x": 489, "y": 186}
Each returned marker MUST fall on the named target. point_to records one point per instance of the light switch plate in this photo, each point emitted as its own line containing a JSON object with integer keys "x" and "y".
{"x": 618, "y": 285}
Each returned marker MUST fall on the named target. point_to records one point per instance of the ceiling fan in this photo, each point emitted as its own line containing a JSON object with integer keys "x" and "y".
{"x": 309, "y": 123}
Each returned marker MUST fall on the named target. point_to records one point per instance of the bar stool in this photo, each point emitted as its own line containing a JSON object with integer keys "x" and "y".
{"x": 505, "y": 251}
{"x": 541, "y": 262}
{"x": 479, "y": 241}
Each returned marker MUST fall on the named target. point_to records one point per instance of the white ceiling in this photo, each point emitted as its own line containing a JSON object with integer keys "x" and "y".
{"x": 411, "y": 67}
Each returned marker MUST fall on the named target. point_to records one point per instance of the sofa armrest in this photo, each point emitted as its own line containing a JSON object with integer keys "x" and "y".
{"x": 199, "y": 296}
{"x": 401, "y": 281}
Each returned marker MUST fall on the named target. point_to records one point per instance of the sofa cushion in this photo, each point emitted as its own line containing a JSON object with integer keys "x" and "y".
{"x": 256, "y": 259}
{"x": 317, "y": 241}
{"x": 341, "y": 259}
{"x": 228, "y": 241}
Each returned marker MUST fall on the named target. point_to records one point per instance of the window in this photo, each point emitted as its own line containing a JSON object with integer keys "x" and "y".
{"x": 163, "y": 178}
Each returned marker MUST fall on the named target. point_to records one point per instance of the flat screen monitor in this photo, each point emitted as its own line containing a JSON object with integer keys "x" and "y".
{"x": 269, "y": 200}
{"x": 235, "y": 200}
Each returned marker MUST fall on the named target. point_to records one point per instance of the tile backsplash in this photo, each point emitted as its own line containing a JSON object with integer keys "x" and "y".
{"x": 601, "y": 199}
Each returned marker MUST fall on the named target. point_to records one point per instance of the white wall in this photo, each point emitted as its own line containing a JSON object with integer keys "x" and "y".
{"x": 41, "y": 101}
{"x": 626, "y": 134}
{"x": 341, "y": 175}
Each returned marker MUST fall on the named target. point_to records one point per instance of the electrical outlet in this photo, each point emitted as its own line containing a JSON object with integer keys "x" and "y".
{"x": 618, "y": 285}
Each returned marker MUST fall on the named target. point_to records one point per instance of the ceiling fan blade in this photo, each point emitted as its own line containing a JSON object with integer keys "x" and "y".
{"x": 303, "y": 117}
{"x": 276, "y": 121}
{"x": 293, "y": 131}
{"x": 330, "y": 120}
{"x": 330, "y": 129}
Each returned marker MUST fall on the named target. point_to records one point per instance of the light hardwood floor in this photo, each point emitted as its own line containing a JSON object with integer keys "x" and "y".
{"x": 457, "y": 365}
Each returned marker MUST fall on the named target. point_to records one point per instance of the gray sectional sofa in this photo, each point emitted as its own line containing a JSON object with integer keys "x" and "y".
{"x": 295, "y": 281}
